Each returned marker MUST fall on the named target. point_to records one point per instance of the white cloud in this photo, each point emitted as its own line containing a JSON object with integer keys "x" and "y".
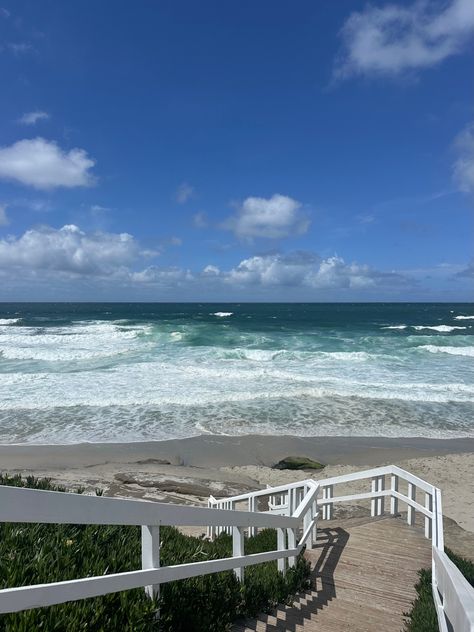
{"x": 271, "y": 218}
{"x": 74, "y": 264}
{"x": 69, "y": 250}
{"x": 30, "y": 118}
{"x": 304, "y": 269}
{"x": 463, "y": 168}
{"x": 200, "y": 220}
{"x": 20, "y": 48}
{"x": 184, "y": 193}
{"x": 42, "y": 164}
{"x": 211, "y": 271}
{"x": 392, "y": 39}
{"x": 162, "y": 276}
{"x": 4, "y": 221}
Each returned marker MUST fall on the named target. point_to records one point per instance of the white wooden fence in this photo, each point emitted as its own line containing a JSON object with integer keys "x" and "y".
{"x": 27, "y": 505}
{"x": 452, "y": 593}
{"x": 292, "y": 510}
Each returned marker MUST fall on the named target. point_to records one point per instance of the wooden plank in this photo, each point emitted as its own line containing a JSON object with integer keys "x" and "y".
{"x": 369, "y": 588}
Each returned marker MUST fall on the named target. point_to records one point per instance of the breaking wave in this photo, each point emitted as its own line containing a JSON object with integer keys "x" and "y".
{"x": 176, "y": 374}
{"x": 441, "y": 328}
{"x": 459, "y": 351}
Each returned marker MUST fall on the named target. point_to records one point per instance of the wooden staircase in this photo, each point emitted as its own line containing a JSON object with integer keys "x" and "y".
{"x": 363, "y": 575}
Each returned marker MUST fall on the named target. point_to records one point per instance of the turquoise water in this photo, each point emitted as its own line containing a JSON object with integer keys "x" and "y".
{"x": 131, "y": 372}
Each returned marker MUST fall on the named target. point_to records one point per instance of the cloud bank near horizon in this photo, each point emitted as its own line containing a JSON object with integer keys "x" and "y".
{"x": 47, "y": 255}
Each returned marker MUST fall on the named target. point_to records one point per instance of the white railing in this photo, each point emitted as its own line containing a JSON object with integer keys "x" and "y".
{"x": 33, "y": 506}
{"x": 291, "y": 509}
{"x": 452, "y": 593}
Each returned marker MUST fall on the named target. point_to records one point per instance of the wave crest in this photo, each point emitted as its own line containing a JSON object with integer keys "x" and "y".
{"x": 460, "y": 351}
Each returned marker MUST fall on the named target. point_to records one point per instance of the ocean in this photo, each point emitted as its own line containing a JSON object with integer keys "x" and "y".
{"x": 117, "y": 372}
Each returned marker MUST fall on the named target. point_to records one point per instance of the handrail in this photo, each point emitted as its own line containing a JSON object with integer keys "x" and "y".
{"x": 29, "y": 505}
{"x": 267, "y": 491}
{"x": 456, "y": 593}
{"x": 34, "y": 505}
{"x": 39, "y": 595}
{"x": 445, "y": 577}
{"x": 298, "y": 509}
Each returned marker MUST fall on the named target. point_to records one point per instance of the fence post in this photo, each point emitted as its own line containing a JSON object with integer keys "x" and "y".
{"x": 328, "y": 492}
{"x": 381, "y": 499}
{"x": 238, "y": 550}
{"x": 281, "y": 547}
{"x": 428, "y": 521}
{"x": 411, "y": 510}
{"x": 251, "y": 508}
{"x": 373, "y": 501}
{"x": 393, "y": 499}
{"x": 151, "y": 555}
{"x": 306, "y": 522}
{"x": 291, "y": 545}
{"x": 314, "y": 515}
{"x": 291, "y": 501}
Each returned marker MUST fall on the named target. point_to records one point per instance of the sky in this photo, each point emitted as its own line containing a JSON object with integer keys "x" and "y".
{"x": 236, "y": 151}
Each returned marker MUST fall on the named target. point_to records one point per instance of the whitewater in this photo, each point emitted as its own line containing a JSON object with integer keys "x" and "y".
{"x": 74, "y": 373}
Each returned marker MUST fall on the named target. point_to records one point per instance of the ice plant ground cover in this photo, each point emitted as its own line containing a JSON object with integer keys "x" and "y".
{"x": 37, "y": 553}
{"x": 422, "y": 617}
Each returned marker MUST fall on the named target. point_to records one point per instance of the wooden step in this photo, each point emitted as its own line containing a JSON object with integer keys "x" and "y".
{"x": 363, "y": 577}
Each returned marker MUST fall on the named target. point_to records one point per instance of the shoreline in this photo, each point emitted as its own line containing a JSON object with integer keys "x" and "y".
{"x": 189, "y": 470}
{"x": 222, "y": 450}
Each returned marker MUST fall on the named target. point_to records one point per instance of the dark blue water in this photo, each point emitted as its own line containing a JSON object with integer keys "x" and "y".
{"x": 128, "y": 372}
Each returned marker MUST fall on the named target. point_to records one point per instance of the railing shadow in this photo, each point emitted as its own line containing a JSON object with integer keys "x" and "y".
{"x": 331, "y": 542}
{"x": 326, "y": 552}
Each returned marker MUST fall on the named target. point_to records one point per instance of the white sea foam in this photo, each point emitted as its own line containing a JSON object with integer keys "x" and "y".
{"x": 459, "y": 351}
{"x": 63, "y": 344}
{"x": 9, "y": 321}
{"x": 395, "y": 327}
{"x": 440, "y": 328}
{"x": 228, "y": 379}
{"x": 464, "y": 318}
{"x": 222, "y": 314}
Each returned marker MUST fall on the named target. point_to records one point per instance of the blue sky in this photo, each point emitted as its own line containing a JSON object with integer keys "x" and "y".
{"x": 236, "y": 150}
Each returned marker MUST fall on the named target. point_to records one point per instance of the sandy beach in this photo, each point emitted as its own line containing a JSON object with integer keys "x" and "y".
{"x": 188, "y": 470}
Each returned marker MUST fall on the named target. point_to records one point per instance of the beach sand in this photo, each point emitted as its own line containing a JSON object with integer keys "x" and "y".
{"x": 188, "y": 470}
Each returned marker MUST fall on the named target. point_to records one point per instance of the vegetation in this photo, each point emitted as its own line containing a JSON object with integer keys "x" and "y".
{"x": 298, "y": 463}
{"x": 41, "y": 553}
{"x": 422, "y": 617}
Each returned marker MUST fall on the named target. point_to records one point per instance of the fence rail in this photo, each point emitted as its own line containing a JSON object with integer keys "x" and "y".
{"x": 292, "y": 509}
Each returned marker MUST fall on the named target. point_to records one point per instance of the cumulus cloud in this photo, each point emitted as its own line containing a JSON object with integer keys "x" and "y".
{"x": 307, "y": 270}
{"x": 463, "y": 168}
{"x": 4, "y": 221}
{"x": 393, "y": 39}
{"x": 69, "y": 250}
{"x": 211, "y": 271}
{"x": 184, "y": 193}
{"x": 42, "y": 164}
{"x": 72, "y": 264}
{"x": 30, "y": 118}
{"x": 270, "y": 218}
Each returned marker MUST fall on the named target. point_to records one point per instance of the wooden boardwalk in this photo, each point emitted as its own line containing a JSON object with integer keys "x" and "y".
{"x": 363, "y": 576}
